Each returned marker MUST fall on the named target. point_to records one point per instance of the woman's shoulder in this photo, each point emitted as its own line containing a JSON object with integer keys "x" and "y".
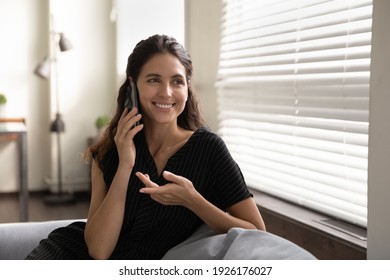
{"x": 207, "y": 136}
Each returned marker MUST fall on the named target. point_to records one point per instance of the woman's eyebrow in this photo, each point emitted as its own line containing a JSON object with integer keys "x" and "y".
{"x": 178, "y": 76}
{"x": 153, "y": 75}
{"x": 158, "y": 75}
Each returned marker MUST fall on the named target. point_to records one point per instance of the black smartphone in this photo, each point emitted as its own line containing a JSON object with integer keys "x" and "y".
{"x": 131, "y": 96}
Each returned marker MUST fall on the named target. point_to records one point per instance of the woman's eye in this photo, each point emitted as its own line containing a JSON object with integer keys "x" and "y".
{"x": 178, "y": 82}
{"x": 153, "y": 80}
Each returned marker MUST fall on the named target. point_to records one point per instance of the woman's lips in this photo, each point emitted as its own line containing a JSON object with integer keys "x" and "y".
{"x": 163, "y": 106}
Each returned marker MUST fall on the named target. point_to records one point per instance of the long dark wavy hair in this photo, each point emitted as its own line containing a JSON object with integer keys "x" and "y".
{"x": 191, "y": 117}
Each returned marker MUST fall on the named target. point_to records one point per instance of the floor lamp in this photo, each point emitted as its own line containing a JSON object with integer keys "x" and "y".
{"x": 44, "y": 70}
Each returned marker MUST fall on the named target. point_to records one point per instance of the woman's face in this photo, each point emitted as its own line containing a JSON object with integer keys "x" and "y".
{"x": 163, "y": 89}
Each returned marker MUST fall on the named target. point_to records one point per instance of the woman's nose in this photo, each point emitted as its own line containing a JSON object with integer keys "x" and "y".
{"x": 166, "y": 90}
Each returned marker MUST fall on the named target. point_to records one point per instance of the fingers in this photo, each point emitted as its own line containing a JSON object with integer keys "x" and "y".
{"x": 179, "y": 180}
{"x": 127, "y": 121}
{"x": 147, "y": 182}
{"x": 128, "y": 115}
{"x": 156, "y": 193}
{"x": 169, "y": 176}
{"x": 178, "y": 192}
{"x": 130, "y": 118}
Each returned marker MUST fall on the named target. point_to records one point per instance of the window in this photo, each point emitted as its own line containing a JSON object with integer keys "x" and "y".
{"x": 293, "y": 93}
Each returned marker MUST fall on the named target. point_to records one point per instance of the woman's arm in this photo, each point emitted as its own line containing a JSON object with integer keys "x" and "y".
{"x": 107, "y": 207}
{"x": 244, "y": 214}
{"x": 105, "y": 215}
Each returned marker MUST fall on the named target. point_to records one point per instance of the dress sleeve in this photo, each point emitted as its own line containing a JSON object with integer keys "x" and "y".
{"x": 230, "y": 186}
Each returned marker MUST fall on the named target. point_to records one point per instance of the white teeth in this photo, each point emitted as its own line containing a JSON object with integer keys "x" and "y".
{"x": 163, "y": 106}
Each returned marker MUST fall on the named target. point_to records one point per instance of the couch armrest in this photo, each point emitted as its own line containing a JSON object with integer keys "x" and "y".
{"x": 17, "y": 240}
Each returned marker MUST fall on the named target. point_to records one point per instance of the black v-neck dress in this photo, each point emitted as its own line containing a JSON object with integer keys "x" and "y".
{"x": 150, "y": 229}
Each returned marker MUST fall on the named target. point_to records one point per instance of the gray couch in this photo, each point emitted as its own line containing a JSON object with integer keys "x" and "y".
{"x": 18, "y": 239}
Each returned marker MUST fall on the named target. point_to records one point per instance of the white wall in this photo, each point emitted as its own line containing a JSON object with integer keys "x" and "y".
{"x": 22, "y": 29}
{"x": 137, "y": 20}
{"x": 378, "y": 246}
{"x": 87, "y": 83}
{"x": 203, "y": 18}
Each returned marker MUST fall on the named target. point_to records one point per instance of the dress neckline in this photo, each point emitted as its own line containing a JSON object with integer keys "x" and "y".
{"x": 171, "y": 160}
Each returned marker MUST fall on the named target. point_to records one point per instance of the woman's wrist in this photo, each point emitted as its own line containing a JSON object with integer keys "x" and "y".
{"x": 196, "y": 202}
{"x": 125, "y": 166}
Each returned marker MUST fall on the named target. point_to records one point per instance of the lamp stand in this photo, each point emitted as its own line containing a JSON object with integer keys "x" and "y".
{"x": 44, "y": 70}
{"x": 58, "y": 126}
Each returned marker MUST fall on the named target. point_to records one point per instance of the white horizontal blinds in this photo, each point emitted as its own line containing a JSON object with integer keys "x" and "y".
{"x": 293, "y": 87}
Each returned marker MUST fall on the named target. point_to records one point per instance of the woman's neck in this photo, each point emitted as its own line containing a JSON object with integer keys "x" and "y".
{"x": 164, "y": 141}
{"x": 162, "y": 137}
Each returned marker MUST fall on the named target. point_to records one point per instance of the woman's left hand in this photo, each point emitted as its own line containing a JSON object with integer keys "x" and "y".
{"x": 180, "y": 190}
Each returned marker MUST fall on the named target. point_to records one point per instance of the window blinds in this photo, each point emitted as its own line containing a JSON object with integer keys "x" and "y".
{"x": 293, "y": 92}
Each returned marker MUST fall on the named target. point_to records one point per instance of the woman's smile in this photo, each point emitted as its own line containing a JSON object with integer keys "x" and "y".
{"x": 163, "y": 106}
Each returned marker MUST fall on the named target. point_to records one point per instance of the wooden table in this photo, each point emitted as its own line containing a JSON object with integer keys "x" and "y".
{"x": 15, "y": 130}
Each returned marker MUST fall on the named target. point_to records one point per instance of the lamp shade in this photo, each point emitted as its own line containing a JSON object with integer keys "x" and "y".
{"x": 58, "y": 124}
{"x": 64, "y": 43}
{"x": 43, "y": 69}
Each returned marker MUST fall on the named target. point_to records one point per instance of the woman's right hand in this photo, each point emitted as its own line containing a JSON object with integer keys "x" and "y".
{"x": 107, "y": 207}
{"x": 125, "y": 134}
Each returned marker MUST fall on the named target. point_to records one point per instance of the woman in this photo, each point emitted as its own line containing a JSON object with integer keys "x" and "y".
{"x": 157, "y": 174}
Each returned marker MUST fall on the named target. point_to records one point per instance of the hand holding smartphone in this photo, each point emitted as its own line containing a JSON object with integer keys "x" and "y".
{"x": 132, "y": 96}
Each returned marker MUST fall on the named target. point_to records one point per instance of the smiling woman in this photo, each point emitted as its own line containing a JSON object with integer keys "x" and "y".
{"x": 155, "y": 183}
{"x": 163, "y": 89}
